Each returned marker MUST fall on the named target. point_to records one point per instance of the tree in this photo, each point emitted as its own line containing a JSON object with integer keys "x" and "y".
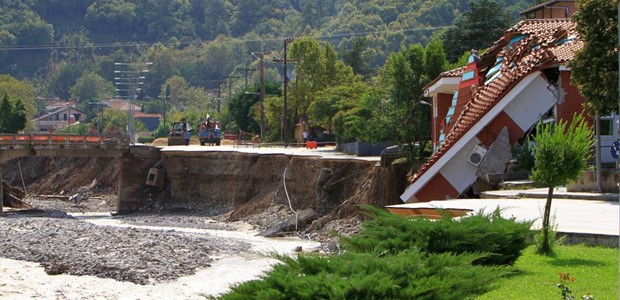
{"x": 21, "y": 90}
{"x": 115, "y": 122}
{"x": 91, "y": 86}
{"x": 317, "y": 69}
{"x": 358, "y": 56}
{"x": 178, "y": 85}
{"x": 12, "y": 115}
{"x": 404, "y": 77}
{"x": 560, "y": 155}
{"x": 434, "y": 59}
{"x": 244, "y": 109}
{"x": 595, "y": 67}
{"x": 476, "y": 29}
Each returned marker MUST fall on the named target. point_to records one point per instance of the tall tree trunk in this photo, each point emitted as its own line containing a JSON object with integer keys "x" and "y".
{"x": 546, "y": 247}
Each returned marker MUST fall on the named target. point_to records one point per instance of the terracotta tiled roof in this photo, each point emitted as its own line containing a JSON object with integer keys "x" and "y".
{"x": 458, "y": 72}
{"x": 548, "y": 42}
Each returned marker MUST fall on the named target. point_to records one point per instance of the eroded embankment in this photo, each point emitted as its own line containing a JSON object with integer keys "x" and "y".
{"x": 245, "y": 184}
{"x": 240, "y": 185}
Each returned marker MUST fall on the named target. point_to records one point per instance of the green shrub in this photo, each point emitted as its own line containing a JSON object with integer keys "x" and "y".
{"x": 406, "y": 275}
{"x": 146, "y": 139}
{"x": 524, "y": 156}
{"x": 489, "y": 233}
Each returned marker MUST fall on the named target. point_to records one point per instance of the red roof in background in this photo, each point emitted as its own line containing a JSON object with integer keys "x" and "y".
{"x": 548, "y": 42}
{"x": 143, "y": 115}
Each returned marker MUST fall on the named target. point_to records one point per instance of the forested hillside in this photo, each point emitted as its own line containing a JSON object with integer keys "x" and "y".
{"x": 206, "y": 48}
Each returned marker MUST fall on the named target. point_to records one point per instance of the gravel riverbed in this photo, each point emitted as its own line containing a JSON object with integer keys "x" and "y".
{"x": 142, "y": 250}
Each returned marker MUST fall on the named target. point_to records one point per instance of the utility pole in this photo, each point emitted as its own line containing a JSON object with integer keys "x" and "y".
{"x": 219, "y": 97}
{"x": 262, "y": 96}
{"x": 166, "y": 99}
{"x": 230, "y": 78}
{"x": 247, "y": 70}
{"x": 285, "y": 117}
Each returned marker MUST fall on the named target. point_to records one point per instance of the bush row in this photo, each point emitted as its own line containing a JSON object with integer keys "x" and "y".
{"x": 399, "y": 258}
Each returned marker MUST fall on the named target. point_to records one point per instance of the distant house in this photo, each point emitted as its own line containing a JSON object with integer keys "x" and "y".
{"x": 479, "y": 111}
{"x": 122, "y": 105}
{"x": 150, "y": 121}
{"x": 59, "y": 119}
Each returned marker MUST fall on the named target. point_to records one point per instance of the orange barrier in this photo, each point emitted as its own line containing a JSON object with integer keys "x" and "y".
{"x": 311, "y": 145}
{"x": 22, "y": 137}
{"x": 58, "y": 138}
{"x": 75, "y": 139}
{"x": 94, "y": 139}
{"x": 41, "y": 139}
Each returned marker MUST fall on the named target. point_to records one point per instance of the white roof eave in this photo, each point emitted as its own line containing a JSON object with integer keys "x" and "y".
{"x": 446, "y": 85}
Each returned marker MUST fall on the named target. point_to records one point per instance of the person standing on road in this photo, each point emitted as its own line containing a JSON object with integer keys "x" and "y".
{"x": 187, "y": 136}
{"x": 305, "y": 136}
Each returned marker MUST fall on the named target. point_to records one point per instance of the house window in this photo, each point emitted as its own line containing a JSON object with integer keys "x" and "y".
{"x": 64, "y": 117}
{"x": 468, "y": 75}
{"x": 607, "y": 126}
{"x": 496, "y": 67}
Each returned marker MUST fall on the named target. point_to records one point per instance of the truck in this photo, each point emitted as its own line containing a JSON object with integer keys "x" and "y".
{"x": 210, "y": 132}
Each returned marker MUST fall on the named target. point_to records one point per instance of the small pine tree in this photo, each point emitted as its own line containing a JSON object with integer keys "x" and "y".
{"x": 560, "y": 155}
{"x": 12, "y": 115}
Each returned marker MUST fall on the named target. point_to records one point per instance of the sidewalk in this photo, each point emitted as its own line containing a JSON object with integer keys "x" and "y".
{"x": 558, "y": 193}
{"x": 579, "y": 213}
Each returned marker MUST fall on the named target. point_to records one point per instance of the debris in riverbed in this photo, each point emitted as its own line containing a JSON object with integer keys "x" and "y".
{"x": 295, "y": 223}
{"x": 12, "y": 196}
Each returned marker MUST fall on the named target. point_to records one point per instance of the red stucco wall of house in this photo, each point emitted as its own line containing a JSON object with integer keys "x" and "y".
{"x": 438, "y": 188}
{"x": 573, "y": 101}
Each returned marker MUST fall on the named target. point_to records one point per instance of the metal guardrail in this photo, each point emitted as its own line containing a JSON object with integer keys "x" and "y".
{"x": 61, "y": 139}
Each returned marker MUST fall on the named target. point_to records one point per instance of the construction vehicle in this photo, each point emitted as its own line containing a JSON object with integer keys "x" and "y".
{"x": 210, "y": 132}
{"x": 176, "y": 134}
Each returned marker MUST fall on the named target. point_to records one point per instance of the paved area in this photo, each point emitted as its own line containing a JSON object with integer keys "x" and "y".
{"x": 328, "y": 152}
{"x": 581, "y": 213}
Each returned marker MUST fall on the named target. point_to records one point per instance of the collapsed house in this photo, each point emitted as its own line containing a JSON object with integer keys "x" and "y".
{"x": 481, "y": 110}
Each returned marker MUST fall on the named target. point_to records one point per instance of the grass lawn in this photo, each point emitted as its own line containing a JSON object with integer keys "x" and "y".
{"x": 595, "y": 270}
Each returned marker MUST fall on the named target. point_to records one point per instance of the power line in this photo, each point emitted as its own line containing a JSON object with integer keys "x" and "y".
{"x": 190, "y": 43}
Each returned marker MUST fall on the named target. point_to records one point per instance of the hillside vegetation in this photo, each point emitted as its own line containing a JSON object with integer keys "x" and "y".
{"x": 357, "y": 63}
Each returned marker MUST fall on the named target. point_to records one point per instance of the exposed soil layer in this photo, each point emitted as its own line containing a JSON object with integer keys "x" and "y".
{"x": 232, "y": 186}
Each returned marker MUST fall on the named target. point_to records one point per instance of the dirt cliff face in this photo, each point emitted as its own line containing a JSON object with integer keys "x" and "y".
{"x": 246, "y": 184}
{"x": 45, "y": 175}
{"x": 237, "y": 186}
